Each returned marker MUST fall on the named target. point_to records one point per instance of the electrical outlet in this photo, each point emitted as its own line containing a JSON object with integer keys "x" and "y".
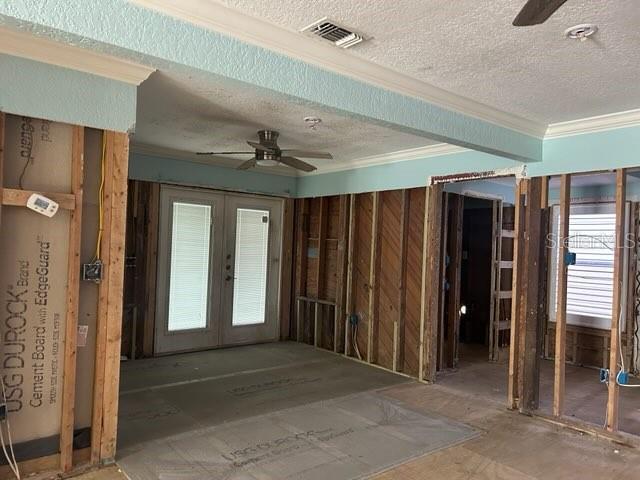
{"x": 92, "y": 272}
{"x": 604, "y": 375}
{"x": 623, "y": 378}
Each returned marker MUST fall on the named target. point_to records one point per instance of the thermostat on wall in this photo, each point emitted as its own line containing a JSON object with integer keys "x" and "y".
{"x": 41, "y": 204}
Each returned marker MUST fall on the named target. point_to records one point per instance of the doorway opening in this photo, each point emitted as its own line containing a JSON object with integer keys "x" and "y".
{"x": 478, "y": 228}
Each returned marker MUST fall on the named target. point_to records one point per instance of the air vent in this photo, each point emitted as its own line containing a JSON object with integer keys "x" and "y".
{"x": 337, "y": 34}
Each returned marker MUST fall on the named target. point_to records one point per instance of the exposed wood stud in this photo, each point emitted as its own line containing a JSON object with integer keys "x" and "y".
{"x": 286, "y": 268}
{"x": 109, "y": 323}
{"x": 316, "y": 324}
{"x": 518, "y": 256}
{"x": 544, "y": 192}
{"x": 430, "y": 285}
{"x": 349, "y": 300}
{"x": 561, "y": 298}
{"x": 73, "y": 292}
{"x": 320, "y": 271}
{"x": 444, "y": 235}
{"x": 302, "y": 247}
{"x": 18, "y": 198}
{"x": 151, "y": 248}
{"x": 374, "y": 263}
{"x": 339, "y": 311}
{"x": 529, "y": 379}
{"x": 103, "y": 295}
{"x": 618, "y": 291}
{"x": 399, "y": 324}
{"x": 455, "y": 269}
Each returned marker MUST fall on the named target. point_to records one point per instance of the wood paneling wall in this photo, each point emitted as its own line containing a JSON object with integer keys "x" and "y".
{"x": 380, "y": 272}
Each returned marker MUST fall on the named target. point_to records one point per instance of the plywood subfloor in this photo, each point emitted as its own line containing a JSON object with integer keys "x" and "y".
{"x": 585, "y": 397}
{"x": 510, "y": 446}
{"x": 175, "y": 394}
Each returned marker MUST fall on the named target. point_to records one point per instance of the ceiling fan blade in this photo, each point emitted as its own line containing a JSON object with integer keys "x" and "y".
{"x": 297, "y": 164}
{"x": 536, "y": 12}
{"x": 259, "y": 146}
{"x": 225, "y": 153}
{"x": 246, "y": 165}
{"x": 308, "y": 154}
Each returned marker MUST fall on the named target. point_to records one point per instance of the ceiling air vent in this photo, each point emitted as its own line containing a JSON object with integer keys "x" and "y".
{"x": 329, "y": 30}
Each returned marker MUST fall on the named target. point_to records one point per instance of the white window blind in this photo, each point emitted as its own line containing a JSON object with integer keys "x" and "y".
{"x": 189, "y": 275}
{"x": 590, "y": 280}
{"x": 251, "y": 260}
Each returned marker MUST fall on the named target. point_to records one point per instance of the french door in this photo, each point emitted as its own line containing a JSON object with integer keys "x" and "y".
{"x": 218, "y": 269}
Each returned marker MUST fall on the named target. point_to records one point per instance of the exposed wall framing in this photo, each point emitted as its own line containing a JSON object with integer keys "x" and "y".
{"x": 50, "y": 142}
{"x": 376, "y": 278}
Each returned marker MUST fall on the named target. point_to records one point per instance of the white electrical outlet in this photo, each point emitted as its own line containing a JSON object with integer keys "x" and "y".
{"x": 43, "y": 205}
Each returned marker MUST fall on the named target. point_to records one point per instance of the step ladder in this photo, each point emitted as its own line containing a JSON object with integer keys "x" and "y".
{"x": 500, "y": 307}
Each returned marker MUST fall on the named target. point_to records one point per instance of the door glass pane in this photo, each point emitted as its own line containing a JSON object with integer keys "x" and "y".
{"x": 189, "y": 276}
{"x": 250, "y": 285}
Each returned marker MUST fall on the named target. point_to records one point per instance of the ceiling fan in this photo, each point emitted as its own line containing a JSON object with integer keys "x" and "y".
{"x": 268, "y": 154}
{"x": 536, "y": 12}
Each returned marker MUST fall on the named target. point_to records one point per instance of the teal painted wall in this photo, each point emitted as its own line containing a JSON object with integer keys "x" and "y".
{"x": 578, "y": 153}
{"x": 45, "y": 91}
{"x": 114, "y": 27}
{"x": 166, "y": 170}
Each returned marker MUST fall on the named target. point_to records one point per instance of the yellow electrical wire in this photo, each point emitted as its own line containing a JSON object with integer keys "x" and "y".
{"x": 101, "y": 197}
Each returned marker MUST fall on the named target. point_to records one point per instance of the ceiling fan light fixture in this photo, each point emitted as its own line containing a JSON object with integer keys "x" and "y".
{"x": 581, "y": 32}
{"x": 268, "y": 162}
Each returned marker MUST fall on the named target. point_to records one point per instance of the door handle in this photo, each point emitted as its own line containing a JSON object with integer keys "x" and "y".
{"x": 228, "y": 277}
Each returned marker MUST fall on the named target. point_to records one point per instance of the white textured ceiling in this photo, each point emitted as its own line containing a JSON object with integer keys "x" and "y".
{"x": 183, "y": 114}
{"x": 469, "y": 47}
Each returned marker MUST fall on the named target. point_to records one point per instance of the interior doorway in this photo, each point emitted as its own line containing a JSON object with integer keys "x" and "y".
{"x": 218, "y": 269}
{"x": 476, "y": 277}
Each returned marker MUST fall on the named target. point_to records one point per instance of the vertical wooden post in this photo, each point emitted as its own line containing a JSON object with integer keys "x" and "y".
{"x": 349, "y": 287}
{"x": 455, "y": 268}
{"x": 428, "y": 345}
{"x": 561, "y": 297}
{"x": 316, "y": 324}
{"x": 518, "y": 257}
{"x": 617, "y": 311}
{"x": 398, "y": 326}
{"x": 302, "y": 239}
{"x": 73, "y": 291}
{"x": 529, "y": 379}
{"x": 109, "y": 329}
{"x": 151, "y": 261}
{"x": 286, "y": 269}
{"x": 374, "y": 263}
{"x": 320, "y": 272}
{"x": 339, "y": 310}
{"x": 442, "y": 272}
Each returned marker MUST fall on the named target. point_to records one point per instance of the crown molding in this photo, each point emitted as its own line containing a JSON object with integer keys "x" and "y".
{"x": 220, "y": 18}
{"x": 20, "y": 44}
{"x": 599, "y": 123}
{"x": 418, "y": 153}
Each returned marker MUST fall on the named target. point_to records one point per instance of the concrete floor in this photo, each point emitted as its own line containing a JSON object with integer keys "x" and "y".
{"x": 585, "y": 396}
{"x": 511, "y": 446}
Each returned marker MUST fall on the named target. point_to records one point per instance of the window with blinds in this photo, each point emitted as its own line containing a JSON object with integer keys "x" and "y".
{"x": 189, "y": 275}
{"x": 590, "y": 280}
{"x": 251, "y": 262}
